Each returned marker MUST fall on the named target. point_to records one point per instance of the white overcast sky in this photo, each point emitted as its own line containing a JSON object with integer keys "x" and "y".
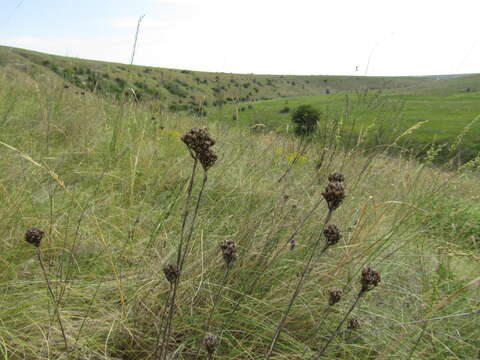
{"x": 386, "y": 37}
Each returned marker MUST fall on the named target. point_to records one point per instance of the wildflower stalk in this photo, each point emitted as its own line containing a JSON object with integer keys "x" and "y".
{"x": 34, "y": 236}
{"x": 214, "y": 306}
{"x": 55, "y": 304}
{"x": 334, "y": 195}
{"x": 164, "y": 315}
{"x": 298, "y": 289}
{"x": 192, "y": 225}
{"x": 199, "y": 143}
{"x": 180, "y": 265}
{"x": 187, "y": 208}
{"x": 370, "y": 279}
{"x": 339, "y": 326}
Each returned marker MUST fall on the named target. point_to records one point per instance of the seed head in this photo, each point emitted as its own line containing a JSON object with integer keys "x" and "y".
{"x": 336, "y": 177}
{"x": 210, "y": 341}
{"x": 353, "y": 324}
{"x": 207, "y": 158}
{"x": 334, "y": 194}
{"x": 332, "y": 235}
{"x": 292, "y": 243}
{"x": 34, "y": 236}
{"x": 229, "y": 251}
{"x": 335, "y": 296}
{"x": 370, "y": 279}
{"x": 172, "y": 272}
{"x": 199, "y": 141}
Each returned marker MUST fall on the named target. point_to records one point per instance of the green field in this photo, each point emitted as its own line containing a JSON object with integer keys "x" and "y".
{"x": 443, "y": 118}
{"x": 120, "y": 198}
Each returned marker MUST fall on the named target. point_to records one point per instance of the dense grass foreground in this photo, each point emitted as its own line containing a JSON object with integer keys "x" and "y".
{"x": 108, "y": 185}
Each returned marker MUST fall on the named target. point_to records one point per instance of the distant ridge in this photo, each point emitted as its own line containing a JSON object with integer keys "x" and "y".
{"x": 186, "y": 86}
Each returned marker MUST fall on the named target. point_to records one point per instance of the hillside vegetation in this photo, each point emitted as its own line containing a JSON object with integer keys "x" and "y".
{"x": 184, "y": 86}
{"x": 448, "y": 125}
{"x": 109, "y": 182}
{"x": 443, "y": 109}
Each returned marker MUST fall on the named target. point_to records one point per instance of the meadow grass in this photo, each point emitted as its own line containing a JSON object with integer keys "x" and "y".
{"x": 107, "y": 183}
{"x": 381, "y": 115}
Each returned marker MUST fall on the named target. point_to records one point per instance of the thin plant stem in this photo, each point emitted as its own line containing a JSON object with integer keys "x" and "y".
{"x": 298, "y": 289}
{"x": 55, "y": 305}
{"x": 340, "y": 324}
{"x": 414, "y": 347}
{"x": 316, "y": 329}
{"x": 164, "y": 315}
{"x": 187, "y": 210}
{"x": 181, "y": 258}
{"x": 192, "y": 225}
{"x": 87, "y": 313}
{"x": 215, "y": 304}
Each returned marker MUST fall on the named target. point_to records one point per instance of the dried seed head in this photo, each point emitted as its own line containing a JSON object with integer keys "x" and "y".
{"x": 353, "y": 324}
{"x": 199, "y": 141}
{"x": 34, "y": 236}
{"x": 335, "y": 296}
{"x": 370, "y": 279}
{"x": 207, "y": 158}
{"x": 172, "y": 272}
{"x": 292, "y": 243}
{"x": 332, "y": 235}
{"x": 334, "y": 194}
{"x": 210, "y": 341}
{"x": 336, "y": 177}
{"x": 229, "y": 251}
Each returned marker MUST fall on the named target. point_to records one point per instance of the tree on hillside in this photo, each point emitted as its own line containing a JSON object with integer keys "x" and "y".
{"x": 305, "y": 118}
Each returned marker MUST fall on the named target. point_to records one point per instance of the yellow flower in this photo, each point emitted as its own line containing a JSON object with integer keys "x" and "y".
{"x": 296, "y": 157}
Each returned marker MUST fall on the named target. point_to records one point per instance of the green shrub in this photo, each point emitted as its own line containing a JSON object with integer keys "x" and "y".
{"x": 305, "y": 118}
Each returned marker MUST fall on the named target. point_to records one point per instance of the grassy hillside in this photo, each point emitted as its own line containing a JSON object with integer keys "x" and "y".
{"x": 446, "y": 106}
{"x": 108, "y": 183}
{"x": 185, "y": 86}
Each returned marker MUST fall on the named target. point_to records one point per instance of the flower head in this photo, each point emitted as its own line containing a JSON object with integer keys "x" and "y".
{"x": 210, "y": 341}
{"x": 34, "y": 236}
{"x": 336, "y": 177}
{"x": 229, "y": 251}
{"x": 370, "y": 279}
{"x": 334, "y": 194}
{"x": 335, "y": 296}
{"x": 353, "y": 324}
{"x": 199, "y": 142}
{"x": 332, "y": 235}
{"x": 172, "y": 272}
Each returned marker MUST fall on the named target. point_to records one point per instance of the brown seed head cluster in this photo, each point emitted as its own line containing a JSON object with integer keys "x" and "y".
{"x": 332, "y": 235}
{"x": 34, "y": 236}
{"x": 335, "y": 296}
{"x": 199, "y": 141}
{"x": 229, "y": 251}
{"x": 353, "y": 324}
{"x": 334, "y": 194}
{"x": 336, "y": 177}
{"x": 370, "y": 279}
{"x": 210, "y": 341}
{"x": 172, "y": 272}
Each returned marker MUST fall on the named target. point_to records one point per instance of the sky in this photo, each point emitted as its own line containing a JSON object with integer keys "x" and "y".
{"x": 310, "y": 37}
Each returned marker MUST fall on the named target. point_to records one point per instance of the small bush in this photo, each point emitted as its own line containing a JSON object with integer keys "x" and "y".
{"x": 305, "y": 118}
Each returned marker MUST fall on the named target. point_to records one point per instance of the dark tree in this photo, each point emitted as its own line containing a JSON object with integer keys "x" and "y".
{"x": 305, "y": 118}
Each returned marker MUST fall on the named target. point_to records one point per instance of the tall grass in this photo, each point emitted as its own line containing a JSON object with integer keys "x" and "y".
{"x": 108, "y": 183}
